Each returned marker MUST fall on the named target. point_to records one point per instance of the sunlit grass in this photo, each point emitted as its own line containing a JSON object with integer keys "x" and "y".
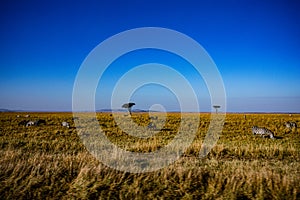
{"x": 51, "y": 160}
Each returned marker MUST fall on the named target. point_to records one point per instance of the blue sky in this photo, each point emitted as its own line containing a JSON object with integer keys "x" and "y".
{"x": 255, "y": 45}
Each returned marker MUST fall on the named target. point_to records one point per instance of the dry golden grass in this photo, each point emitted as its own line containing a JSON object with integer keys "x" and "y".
{"x": 50, "y": 161}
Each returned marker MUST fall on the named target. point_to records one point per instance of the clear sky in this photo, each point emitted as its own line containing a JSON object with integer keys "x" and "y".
{"x": 255, "y": 45}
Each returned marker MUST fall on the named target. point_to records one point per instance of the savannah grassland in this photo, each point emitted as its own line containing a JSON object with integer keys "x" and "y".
{"x": 50, "y": 162}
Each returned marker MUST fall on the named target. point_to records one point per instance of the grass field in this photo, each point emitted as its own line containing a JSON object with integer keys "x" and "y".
{"x": 50, "y": 161}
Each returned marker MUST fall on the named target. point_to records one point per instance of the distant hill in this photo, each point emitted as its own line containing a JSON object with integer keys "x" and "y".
{"x": 2, "y": 110}
{"x": 124, "y": 110}
{"x": 8, "y": 110}
{"x": 5, "y": 110}
{"x": 100, "y": 110}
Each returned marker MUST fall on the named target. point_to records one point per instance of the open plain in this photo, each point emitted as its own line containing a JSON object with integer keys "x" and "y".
{"x": 49, "y": 161}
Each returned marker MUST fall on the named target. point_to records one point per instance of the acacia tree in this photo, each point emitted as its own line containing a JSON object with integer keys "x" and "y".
{"x": 128, "y": 106}
{"x": 216, "y": 107}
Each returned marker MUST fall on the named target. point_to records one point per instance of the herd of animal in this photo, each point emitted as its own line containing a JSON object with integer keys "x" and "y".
{"x": 37, "y": 122}
{"x": 262, "y": 131}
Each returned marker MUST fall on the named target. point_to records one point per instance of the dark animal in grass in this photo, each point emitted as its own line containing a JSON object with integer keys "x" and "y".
{"x": 23, "y": 123}
{"x": 40, "y": 122}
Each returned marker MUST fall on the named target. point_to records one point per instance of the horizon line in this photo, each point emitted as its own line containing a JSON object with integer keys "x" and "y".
{"x": 142, "y": 111}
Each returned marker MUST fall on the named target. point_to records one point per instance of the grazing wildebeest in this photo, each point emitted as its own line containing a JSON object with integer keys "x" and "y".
{"x": 65, "y": 124}
{"x": 262, "y": 132}
{"x": 39, "y": 122}
{"x": 23, "y": 123}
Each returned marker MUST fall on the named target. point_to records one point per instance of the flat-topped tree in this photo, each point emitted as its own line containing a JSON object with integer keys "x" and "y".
{"x": 128, "y": 106}
{"x": 216, "y": 107}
